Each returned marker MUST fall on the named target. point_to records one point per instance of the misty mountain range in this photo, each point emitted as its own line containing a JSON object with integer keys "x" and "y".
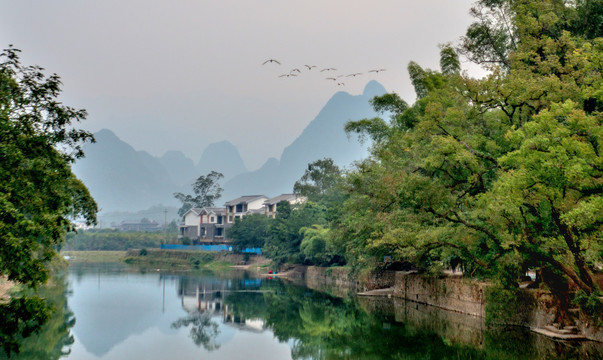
{"x": 121, "y": 178}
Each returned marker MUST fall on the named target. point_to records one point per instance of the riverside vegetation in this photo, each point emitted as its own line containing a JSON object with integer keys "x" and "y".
{"x": 496, "y": 175}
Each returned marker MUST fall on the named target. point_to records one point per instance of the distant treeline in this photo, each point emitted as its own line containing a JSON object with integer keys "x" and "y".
{"x": 114, "y": 240}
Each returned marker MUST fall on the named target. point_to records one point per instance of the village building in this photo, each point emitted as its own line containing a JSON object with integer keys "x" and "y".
{"x": 204, "y": 225}
{"x": 209, "y": 225}
{"x": 244, "y": 205}
{"x": 140, "y": 226}
{"x": 270, "y": 205}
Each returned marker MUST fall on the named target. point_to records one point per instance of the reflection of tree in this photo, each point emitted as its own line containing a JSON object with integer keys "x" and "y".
{"x": 53, "y": 340}
{"x": 203, "y": 331}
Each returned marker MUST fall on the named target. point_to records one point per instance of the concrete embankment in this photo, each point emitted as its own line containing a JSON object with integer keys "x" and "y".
{"x": 534, "y": 308}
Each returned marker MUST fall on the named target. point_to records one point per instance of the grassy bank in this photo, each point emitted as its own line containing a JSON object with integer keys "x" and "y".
{"x": 190, "y": 260}
{"x": 100, "y": 256}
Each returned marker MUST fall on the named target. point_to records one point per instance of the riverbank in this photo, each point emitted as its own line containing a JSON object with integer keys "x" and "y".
{"x": 93, "y": 256}
{"x": 185, "y": 260}
{"x": 534, "y": 309}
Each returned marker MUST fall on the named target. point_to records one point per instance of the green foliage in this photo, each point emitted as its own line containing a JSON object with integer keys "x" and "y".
{"x": 112, "y": 240}
{"x": 250, "y": 232}
{"x": 39, "y": 195}
{"x": 316, "y": 245}
{"x": 38, "y": 192}
{"x": 203, "y": 331}
{"x": 51, "y": 340}
{"x": 502, "y": 173}
{"x": 449, "y": 60}
{"x": 591, "y": 304}
{"x": 172, "y": 228}
{"x": 320, "y": 177}
{"x": 283, "y": 244}
{"x": 206, "y": 191}
{"x": 20, "y": 318}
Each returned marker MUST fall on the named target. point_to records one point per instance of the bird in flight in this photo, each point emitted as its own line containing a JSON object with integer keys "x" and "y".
{"x": 328, "y": 69}
{"x": 296, "y": 69}
{"x": 340, "y": 84}
{"x": 331, "y": 78}
{"x": 287, "y": 75}
{"x": 354, "y": 75}
{"x": 377, "y": 70}
{"x": 310, "y": 66}
{"x": 271, "y": 61}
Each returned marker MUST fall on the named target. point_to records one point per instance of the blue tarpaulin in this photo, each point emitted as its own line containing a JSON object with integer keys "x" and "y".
{"x": 209, "y": 248}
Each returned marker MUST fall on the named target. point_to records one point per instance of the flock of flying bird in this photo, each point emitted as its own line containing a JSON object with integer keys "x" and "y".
{"x": 295, "y": 72}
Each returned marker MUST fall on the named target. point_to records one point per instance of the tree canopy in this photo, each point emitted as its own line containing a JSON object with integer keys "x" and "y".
{"x": 206, "y": 191}
{"x": 504, "y": 172}
{"x": 39, "y": 194}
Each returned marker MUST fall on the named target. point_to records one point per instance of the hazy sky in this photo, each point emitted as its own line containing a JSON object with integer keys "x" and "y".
{"x": 181, "y": 74}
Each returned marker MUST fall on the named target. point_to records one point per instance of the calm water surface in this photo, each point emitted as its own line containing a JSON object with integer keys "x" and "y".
{"x": 114, "y": 312}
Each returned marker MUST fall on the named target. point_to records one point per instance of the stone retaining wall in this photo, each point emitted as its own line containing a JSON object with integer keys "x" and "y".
{"x": 450, "y": 293}
{"x": 533, "y": 308}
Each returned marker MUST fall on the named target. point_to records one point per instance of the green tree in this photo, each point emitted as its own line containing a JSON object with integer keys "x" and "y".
{"x": 283, "y": 244}
{"x": 503, "y": 172}
{"x": 206, "y": 191}
{"x": 39, "y": 195}
{"x": 319, "y": 178}
{"x": 316, "y": 245}
{"x": 172, "y": 228}
{"x": 249, "y": 232}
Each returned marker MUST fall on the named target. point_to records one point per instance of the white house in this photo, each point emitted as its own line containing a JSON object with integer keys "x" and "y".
{"x": 243, "y": 205}
{"x": 204, "y": 224}
{"x": 270, "y": 205}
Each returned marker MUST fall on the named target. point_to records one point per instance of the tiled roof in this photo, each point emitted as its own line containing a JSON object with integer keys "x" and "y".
{"x": 283, "y": 197}
{"x": 244, "y": 199}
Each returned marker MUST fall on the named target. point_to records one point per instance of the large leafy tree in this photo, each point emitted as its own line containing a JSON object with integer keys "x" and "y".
{"x": 251, "y": 231}
{"x": 504, "y": 172}
{"x": 39, "y": 195}
{"x": 284, "y": 240}
{"x": 206, "y": 191}
{"x": 320, "y": 177}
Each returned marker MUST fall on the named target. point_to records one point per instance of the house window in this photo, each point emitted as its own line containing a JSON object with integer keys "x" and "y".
{"x": 211, "y": 219}
{"x": 229, "y": 218}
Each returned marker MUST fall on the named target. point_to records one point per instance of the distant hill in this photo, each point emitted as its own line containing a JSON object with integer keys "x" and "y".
{"x": 323, "y": 137}
{"x": 181, "y": 169}
{"x": 122, "y": 179}
{"x": 222, "y": 157}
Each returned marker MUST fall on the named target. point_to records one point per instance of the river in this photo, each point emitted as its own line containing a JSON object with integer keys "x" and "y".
{"x": 111, "y": 311}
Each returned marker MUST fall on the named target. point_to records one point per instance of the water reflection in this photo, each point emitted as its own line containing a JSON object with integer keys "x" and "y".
{"x": 203, "y": 329}
{"x": 54, "y": 339}
{"x": 123, "y": 313}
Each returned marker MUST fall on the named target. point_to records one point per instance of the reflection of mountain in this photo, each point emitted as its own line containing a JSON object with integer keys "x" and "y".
{"x": 110, "y": 309}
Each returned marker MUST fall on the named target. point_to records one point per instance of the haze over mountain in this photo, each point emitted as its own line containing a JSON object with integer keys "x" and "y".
{"x": 123, "y": 179}
{"x": 222, "y": 157}
{"x": 324, "y": 137}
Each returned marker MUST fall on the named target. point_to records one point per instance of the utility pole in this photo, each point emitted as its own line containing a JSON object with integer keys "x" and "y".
{"x": 165, "y": 211}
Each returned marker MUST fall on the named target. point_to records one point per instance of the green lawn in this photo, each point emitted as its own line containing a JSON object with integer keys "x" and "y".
{"x": 94, "y": 256}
